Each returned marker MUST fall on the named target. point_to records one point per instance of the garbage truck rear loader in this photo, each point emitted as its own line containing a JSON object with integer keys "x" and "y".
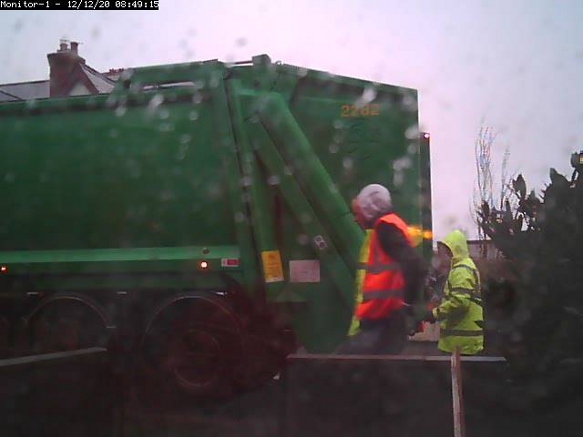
{"x": 198, "y": 216}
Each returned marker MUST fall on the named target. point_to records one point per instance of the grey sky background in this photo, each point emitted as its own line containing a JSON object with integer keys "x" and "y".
{"x": 516, "y": 64}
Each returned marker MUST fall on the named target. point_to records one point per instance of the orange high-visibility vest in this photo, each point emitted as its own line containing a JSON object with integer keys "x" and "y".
{"x": 383, "y": 287}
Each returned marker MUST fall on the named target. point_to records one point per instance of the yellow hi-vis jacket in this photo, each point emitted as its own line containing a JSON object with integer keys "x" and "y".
{"x": 360, "y": 273}
{"x": 460, "y": 313}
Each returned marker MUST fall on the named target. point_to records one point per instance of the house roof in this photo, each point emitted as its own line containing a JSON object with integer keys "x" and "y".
{"x": 80, "y": 77}
{"x": 24, "y": 91}
{"x": 100, "y": 81}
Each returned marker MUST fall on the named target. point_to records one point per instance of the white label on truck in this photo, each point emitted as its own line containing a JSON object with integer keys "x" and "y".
{"x": 304, "y": 270}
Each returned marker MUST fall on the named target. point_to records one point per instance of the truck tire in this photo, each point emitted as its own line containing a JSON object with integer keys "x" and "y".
{"x": 191, "y": 345}
{"x": 64, "y": 322}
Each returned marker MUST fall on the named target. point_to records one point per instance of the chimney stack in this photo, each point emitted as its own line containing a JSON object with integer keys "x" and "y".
{"x": 62, "y": 63}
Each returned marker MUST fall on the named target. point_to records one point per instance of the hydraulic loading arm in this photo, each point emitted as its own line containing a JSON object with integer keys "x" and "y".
{"x": 271, "y": 136}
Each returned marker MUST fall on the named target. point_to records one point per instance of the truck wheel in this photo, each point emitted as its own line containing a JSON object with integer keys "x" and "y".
{"x": 64, "y": 323}
{"x": 194, "y": 342}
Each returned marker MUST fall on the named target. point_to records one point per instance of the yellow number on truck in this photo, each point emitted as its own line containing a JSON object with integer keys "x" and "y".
{"x": 272, "y": 265}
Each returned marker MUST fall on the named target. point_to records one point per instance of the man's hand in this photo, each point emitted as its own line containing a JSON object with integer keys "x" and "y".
{"x": 416, "y": 314}
{"x": 429, "y": 317}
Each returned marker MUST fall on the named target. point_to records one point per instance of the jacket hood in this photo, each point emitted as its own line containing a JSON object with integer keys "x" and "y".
{"x": 456, "y": 242}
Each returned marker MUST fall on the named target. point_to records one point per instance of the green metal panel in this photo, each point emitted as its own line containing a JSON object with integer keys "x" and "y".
{"x": 102, "y": 178}
{"x": 243, "y": 160}
{"x": 426, "y": 195}
{"x": 128, "y": 260}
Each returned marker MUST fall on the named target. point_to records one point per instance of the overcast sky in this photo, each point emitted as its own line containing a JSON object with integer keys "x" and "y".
{"x": 517, "y": 64}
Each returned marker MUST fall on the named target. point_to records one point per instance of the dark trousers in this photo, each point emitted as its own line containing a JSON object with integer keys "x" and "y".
{"x": 386, "y": 336}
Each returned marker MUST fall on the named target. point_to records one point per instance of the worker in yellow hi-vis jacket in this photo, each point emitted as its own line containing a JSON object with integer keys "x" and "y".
{"x": 460, "y": 313}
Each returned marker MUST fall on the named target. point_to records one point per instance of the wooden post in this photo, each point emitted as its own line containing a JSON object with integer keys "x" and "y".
{"x": 459, "y": 426}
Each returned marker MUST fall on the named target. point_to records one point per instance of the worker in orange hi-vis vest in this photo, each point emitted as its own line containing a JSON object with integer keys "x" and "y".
{"x": 389, "y": 278}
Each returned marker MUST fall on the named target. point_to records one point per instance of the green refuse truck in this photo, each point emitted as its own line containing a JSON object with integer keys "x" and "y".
{"x": 197, "y": 218}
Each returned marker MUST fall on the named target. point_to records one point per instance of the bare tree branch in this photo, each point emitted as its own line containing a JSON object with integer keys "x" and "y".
{"x": 485, "y": 189}
{"x": 484, "y": 184}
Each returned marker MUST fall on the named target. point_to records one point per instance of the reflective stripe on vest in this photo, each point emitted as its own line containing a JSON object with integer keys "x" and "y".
{"x": 473, "y": 293}
{"x": 469, "y": 292}
{"x": 377, "y": 268}
{"x": 460, "y": 333}
{"x": 382, "y": 294}
{"x": 476, "y": 291}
